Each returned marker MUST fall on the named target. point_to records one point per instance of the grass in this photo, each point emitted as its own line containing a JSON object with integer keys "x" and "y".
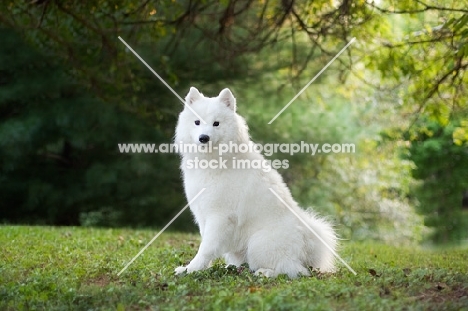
{"x": 76, "y": 268}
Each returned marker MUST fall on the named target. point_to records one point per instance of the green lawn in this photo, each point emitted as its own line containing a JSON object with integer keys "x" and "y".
{"x": 76, "y": 268}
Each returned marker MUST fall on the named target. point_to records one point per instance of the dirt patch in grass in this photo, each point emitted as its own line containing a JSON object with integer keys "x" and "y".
{"x": 440, "y": 293}
{"x": 100, "y": 281}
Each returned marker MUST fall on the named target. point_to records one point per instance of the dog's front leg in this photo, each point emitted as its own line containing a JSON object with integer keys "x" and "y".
{"x": 216, "y": 239}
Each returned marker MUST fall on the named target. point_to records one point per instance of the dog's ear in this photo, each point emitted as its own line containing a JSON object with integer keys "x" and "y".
{"x": 226, "y": 97}
{"x": 193, "y": 95}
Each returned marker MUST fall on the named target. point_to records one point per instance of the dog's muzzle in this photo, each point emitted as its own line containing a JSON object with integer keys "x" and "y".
{"x": 204, "y": 138}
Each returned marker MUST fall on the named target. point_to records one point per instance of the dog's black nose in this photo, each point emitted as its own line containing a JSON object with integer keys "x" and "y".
{"x": 204, "y": 138}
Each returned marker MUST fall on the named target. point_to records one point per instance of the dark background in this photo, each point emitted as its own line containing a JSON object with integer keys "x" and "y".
{"x": 70, "y": 92}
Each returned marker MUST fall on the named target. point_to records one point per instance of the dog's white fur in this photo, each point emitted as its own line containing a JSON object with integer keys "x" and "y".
{"x": 238, "y": 216}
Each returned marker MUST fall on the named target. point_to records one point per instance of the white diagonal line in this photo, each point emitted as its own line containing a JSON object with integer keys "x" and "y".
{"x": 313, "y": 79}
{"x": 159, "y": 233}
{"x": 313, "y": 231}
{"x": 161, "y": 79}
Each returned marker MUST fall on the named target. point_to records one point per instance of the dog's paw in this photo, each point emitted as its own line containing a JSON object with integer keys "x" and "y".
{"x": 180, "y": 270}
{"x": 269, "y": 273}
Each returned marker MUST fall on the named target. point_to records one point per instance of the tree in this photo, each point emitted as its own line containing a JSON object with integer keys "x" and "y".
{"x": 424, "y": 64}
{"x": 58, "y": 148}
{"x": 409, "y": 63}
{"x": 442, "y": 181}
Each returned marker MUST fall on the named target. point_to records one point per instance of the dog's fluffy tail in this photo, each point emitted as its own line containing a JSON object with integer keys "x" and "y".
{"x": 319, "y": 255}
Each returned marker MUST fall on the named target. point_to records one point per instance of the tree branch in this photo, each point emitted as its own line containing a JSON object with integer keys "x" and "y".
{"x": 425, "y": 9}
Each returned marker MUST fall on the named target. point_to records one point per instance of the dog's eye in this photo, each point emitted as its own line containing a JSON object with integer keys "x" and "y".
{"x": 216, "y": 123}
{"x": 197, "y": 122}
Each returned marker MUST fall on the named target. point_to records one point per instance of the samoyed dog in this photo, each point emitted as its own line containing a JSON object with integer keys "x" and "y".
{"x": 239, "y": 217}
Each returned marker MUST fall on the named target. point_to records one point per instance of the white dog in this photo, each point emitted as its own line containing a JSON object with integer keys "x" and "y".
{"x": 239, "y": 218}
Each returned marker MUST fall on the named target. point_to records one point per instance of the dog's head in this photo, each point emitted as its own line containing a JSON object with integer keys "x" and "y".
{"x": 206, "y": 119}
